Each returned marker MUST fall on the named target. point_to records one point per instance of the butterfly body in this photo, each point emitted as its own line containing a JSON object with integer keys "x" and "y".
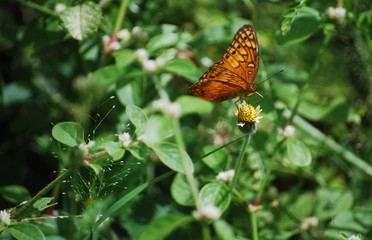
{"x": 234, "y": 74}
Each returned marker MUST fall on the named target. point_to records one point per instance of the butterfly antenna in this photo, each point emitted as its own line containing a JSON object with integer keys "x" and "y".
{"x": 270, "y": 77}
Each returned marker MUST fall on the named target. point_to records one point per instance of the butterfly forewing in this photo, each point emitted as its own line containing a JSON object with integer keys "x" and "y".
{"x": 233, "y": 75}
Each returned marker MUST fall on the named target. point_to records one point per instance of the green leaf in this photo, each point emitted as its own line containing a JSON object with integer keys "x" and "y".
{"x": 14, "y": 193}
{"x": 298, "y": 153}
{"x": 138, "y": 117}
{"x": 108, "y": 75}
{"x": 126, "y": 198}
{"x": 170, "y": 155}
{"x": 184, "y": 68}
{"x": 216, "y": 160}
{"x": 304, "y": 24}
{"x": 224, "y": 230}
{"x": 215, "y": 194}
{"x": 124, "y": 57}
{"x": 129, "y": 88}
{"x": 114, "y": 150}
{"x": 333, "y": 112}
{"x": 161, "y": 227}
{"x": 68, "y": 133}
{"x": 333, "y": 201}
{"x": 349, "y": 220}
{"x": 15, "y": 93}
{"x": 83, "y": 20}
{"x": 164, "y": 40}
{"x": 194, "y": 105}
{"x": 139, "y": 152}
{"x": 157, "y": 129}
{"x": 25, "y": 231}
{"x": 42, "y": 203}
{"x": 181, "y": 191}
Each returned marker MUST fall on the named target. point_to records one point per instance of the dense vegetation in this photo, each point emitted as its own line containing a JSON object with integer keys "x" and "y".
{"x": 101, "y": 140}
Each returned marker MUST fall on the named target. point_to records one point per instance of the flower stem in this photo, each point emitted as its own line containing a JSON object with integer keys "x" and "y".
{"x": 238, "y": 164}
{"x": 254, "y": 225}
{"x": 42, "y": 192}
{"x": 38, "y": 7}
{"x": 266, "y": 178}
{"x": 189, "y": 174}
{"x": 120, "y": 18}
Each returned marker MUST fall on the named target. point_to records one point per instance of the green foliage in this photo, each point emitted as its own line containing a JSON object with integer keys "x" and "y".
{"x": 104, "y": 86}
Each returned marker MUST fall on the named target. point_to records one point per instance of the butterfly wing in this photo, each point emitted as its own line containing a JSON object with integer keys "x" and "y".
{"x": 234, "y": 73}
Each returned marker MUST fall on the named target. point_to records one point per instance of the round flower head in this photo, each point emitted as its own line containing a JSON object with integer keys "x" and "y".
{"x": 248, "y": 117}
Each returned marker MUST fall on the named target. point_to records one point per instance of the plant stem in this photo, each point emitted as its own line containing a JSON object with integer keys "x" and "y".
{"x": 238, "y": 164}
{"x": 42, "y": 192}
{"x": 254, "y": 225}
{"x": 189, "y": 173}
{"x": 266, "y": 178}
{"x": 120, "y": 18}
{"x": 38, "y": 7}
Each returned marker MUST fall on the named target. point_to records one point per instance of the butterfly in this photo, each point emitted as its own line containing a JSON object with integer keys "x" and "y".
{"x": 234, "y": 74}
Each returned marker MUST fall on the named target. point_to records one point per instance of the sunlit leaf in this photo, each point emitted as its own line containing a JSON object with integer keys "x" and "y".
{"x": 215, "y": 194}
{"x": 298, "y": 153}
{"x": 181, "y": 191}
{"x": 83, "y": 20}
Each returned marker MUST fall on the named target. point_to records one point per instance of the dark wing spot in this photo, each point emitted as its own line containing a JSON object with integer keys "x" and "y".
{"x": 233, "y": 52}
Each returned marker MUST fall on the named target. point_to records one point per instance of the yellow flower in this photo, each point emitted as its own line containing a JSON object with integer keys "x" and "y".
{"x": 248, "y": 117}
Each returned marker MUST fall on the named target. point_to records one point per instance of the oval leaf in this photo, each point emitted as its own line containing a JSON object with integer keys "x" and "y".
{"x": 181, "y": 191}
{"x": 162, "y": 41}
{"x": 137, "y": 117}
{"x": 68, "y": 133}
{"x": 184, "y": 68}
{"x": 194, "y": 105}
{"x": 298, "y": 153}
{"x": 114, "y": 150}
{"x": 215, "y": 194}
{"x": 305, "y": 22}
{"x": 170, "y": 155}
{"x": 25, "y": 231}
{"x": 83, "y": 20}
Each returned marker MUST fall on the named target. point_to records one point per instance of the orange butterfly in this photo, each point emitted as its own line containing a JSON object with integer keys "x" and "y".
{"x": 234, "y": 74}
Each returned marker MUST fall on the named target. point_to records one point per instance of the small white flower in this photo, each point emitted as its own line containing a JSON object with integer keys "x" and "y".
{"x": 287, "y": 131}
{"x": 142, "y": 138}
{"x": 206, "y": 61}
{"x": 169, "y": 108}
{"x": 60, "y": 7}
{"x": 226, "y": 176}
{"x": 254, "y": 207}
{"x": 173, "y": 110}
{"x": 160, "y": 104}
{"x": 138, "y": 33}
{"x": 150, "y": 66}
{"x": 85, "y": 147}
{"x": 308, "y": 223}
{"x": 124, "y": 35}
{"x": 114, "y": 45}
{"x": 4, "y": 217}
{"x": 105, "y": 39}
{"x": 142, "y": 55}
{"x": 125, "y": 139}
{"x": 354, "y": 237}
{"x": 338, "y": 13}
{"x": 208, "y": 213}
